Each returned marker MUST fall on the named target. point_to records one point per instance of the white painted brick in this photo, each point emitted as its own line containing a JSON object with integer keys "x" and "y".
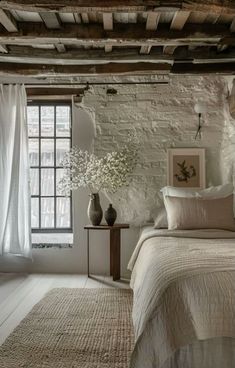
{"x": 164, "y": 117}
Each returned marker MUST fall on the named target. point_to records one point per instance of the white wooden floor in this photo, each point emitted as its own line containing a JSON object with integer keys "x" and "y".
{"x": 19, "y": 293}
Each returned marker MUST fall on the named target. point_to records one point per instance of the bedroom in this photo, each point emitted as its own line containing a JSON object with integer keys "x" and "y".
{"x": 112, "y": 70}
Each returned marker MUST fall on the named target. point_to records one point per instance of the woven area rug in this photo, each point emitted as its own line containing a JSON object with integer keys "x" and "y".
{"x": 73, "y": 328}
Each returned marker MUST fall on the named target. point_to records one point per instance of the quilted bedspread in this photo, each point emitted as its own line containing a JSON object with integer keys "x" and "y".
{"x": 184, "y": 290}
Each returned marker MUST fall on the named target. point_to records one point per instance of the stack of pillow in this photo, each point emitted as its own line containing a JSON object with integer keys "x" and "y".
{"x": 211, "y": 208}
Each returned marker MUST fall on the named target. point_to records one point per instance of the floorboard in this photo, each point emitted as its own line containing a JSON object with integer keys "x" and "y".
{"x": 9, "y": 283}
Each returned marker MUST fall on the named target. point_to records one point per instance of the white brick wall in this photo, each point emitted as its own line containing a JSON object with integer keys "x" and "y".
{"x": 228, "y": 144}
{"x": 164, "y": 117}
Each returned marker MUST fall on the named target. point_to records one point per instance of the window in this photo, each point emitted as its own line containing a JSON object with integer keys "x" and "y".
{"x": 49, "y": 131}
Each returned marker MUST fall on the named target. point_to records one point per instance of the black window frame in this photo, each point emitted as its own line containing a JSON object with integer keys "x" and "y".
{"x": 55, "y": 166}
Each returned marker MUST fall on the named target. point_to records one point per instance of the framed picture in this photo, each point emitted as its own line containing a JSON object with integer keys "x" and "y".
{"x": 186, "y": 168}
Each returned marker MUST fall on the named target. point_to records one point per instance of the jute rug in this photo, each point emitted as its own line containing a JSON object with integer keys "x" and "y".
{"x": 73, "y": 328}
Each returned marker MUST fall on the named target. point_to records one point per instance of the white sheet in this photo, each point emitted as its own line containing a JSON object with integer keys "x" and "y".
{"x": 212, "y": 353}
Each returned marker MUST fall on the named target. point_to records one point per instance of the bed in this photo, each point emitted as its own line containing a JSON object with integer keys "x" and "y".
{"x": 183, "y": 284}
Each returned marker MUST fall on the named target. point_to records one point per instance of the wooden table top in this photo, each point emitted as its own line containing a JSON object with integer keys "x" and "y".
{"x": 106, "y": 227}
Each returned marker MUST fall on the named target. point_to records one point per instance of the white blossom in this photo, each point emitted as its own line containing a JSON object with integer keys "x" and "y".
{"x": 108, "y": 173}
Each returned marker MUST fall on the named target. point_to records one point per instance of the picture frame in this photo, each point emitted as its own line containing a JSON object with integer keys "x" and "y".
{"x": 186, "y": 168}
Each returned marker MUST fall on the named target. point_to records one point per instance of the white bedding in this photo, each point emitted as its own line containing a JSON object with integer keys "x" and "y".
{"x": 184, "y": 291}
{"x": 211, "y": 353}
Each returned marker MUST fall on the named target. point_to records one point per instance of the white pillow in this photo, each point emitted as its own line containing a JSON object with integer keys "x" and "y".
{"x": 200, "y": 213}
{"x": 219, "y": 191}
{"x": 160, "y": 221}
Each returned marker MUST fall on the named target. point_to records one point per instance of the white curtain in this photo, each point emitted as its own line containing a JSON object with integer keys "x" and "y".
{"x": 15, "y": 227}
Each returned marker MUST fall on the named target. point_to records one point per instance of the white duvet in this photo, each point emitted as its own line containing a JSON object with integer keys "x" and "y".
{"x": 184, "y": 290}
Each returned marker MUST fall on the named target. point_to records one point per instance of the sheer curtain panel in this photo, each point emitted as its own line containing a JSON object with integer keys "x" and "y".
{"x": 15, "y": 228}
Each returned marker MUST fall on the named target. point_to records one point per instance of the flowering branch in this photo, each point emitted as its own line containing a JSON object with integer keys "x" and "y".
{"x": 109, "y": 173}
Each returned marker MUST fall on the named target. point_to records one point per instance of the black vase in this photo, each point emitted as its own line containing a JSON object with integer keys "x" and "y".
{"x": 94, "y": 210}
{"x": 110, "y": 215}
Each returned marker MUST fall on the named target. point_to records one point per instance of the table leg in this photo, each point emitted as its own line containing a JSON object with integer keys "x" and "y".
{"x": 115, "y": 253}
{"x": 111, "y": 257}
{"x": 88, "y": 250}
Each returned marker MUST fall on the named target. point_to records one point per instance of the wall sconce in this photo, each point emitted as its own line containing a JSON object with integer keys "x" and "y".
{"x": 199, "y": 108}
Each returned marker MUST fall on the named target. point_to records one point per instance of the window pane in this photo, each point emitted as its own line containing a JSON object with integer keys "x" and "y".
{"x": 62, "y": 146}
{"x": 63, "y": 212}
{"x": 47, "y": 182}
{"x": 47, "y": 121}
{"x": 47, "y": 152}
{"x": 42, "y": 123}
{"x": 47, "y": 212}
{"x": 34, "y": 212}
{"x": 33, "y": 152}
{"x": 34, "y": 181}
{"x": 59, "y": 175}
{"x": 63, "y": 121}
{"x": 33, "y": 120}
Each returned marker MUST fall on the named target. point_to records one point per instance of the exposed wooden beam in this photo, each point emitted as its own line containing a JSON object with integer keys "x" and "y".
{"x": 133, "y": 35}
{"x": 49, "y": 91}
{"x": 145, "y": 49}
{"x": 3, "y": 49}
{"x": 108, "y": 48}
{"x": 209, "y": 68}
{"x": 192, "y": 47}
{"x": 83, "y": 70}
{"x": 108, "y": 21}
{"x": 179, "y": 20}
{"x": 78, "y": 18}
{"x": 232, "y": 27}
{"x": 74, "y": 6}
{"x": 8, "y": 21}
{"x": 134, "y": 69}
{"x": 19, "y": 54}
{"x": 93, "y": 17}
{"x": 60, "y": 47}
{"x": 212, "y": 18}
{"x": 79, "y": 6}
{"x": 24, "y": 54}
{"x": 224, "y": 18}
{"x": 228, "y": 40}
{"x": 152, "y": 21}
{"x": 85, "y": 18}
{"x": 221, "y": 48}
{"x": 51, "y": 20}
{"x": 169, "y": 50}
{"x": 210, "y": 6}
{"x": 197, "y": 17}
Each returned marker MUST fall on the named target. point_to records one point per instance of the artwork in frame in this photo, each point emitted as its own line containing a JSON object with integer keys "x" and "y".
{"x": 186, "y": 168}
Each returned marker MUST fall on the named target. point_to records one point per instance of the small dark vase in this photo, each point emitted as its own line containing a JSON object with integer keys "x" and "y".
{"x": 110, "y": 215}
{"x": 94, "y": 210}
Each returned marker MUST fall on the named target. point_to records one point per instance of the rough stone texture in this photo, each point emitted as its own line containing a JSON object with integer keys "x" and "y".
{"x": 163, "y": 117}
{"x": 228, "y": 143}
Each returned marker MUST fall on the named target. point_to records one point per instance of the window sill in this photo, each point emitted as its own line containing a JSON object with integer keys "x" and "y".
{"x": 51, "y": 245}
{"x": 52, "y": 240}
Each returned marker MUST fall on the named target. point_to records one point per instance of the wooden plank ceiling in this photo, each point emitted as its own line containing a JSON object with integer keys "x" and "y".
{"x": 111, "y": 37}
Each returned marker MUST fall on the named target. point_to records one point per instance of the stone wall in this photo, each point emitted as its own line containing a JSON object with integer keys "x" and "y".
{"x": 163, "y": 117}
{"x": 228, "y": 143}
